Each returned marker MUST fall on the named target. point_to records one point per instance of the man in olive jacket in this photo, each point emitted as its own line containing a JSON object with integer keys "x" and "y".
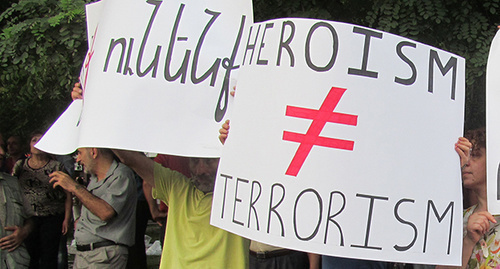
{"x": 15, "y": 224}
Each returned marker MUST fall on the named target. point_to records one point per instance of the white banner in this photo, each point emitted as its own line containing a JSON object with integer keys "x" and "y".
{"x": 157, "y": 76}
{"x": 342, "y": 143}
{"x": 493, "y": 127}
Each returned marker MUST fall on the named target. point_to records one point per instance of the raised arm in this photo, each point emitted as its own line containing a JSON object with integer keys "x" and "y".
{"x": 138, "y": 162}
{"x": 477, "y": 225}
{"x": 68, "y": 212}
{"x": 314, "y": 260}
{"x": 96, "y": 205}
{"x": 156, "y": 214}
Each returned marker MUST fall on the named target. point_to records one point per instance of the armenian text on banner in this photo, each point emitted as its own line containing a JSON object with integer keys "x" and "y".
{"x": 342, "y": 141}
{"x": 156, "y": 77}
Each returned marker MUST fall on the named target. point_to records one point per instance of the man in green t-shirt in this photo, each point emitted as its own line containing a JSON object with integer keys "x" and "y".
{"x": 190, "y": 240}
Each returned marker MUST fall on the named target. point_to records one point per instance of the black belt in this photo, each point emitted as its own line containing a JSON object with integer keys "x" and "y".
{"x": 93, "y": 246}
{"x": 271, "y": 254}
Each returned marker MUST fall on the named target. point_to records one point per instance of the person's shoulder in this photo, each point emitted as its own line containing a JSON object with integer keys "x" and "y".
{"x": 163, "y": 171}
{"x": 20, "y": 162}
{"x": 123, "y": 168}
{"x": 19, "y": 166}
{"x": 124, "y": 172}
{"x": 7, "y": 177}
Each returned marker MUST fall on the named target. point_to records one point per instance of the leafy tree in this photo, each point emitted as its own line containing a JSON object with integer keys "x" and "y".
{"x": 42, "y": 45}
{"x": 5, "y": 4}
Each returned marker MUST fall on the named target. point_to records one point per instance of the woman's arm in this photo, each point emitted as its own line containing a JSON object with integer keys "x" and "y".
{"x": 68, "y": 212}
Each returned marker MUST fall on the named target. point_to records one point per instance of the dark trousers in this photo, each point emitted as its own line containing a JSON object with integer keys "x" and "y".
{"x": 62, "y": 255}
{"x": 137, "y": 253}
{"x": 43, "y": 242}
{"x": 331, "y": 262}
{"x": 294, "y": 260}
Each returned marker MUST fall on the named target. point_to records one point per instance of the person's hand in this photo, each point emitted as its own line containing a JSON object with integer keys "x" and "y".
{"x": 233, "y": 91}
{"x": 77, "y": 91}
{"x": 158, "y": 216}
{"x": 224, "y": 132}
{"x": 14, "y": 240}
{"x": 477, "y": 225}
{"x": 62, "y": 179}
{"x": 65, "y": 226}
{"x": 463, "y": 148}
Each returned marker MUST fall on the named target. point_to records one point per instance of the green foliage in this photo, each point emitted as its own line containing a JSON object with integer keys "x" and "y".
{"x": 42, "y": 45}
{"x": 462, "y": 27}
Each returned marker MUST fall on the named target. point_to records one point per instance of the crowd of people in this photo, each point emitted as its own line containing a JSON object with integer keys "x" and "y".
{"x": 119, "y": 198}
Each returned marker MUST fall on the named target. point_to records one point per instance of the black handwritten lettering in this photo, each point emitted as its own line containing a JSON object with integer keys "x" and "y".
{"x": 278, "y": 221}
{"x": 154, "y": 64}
{"x": 399, "y": 51}
{"x": 112, "y": 45}
{"x": 215, "y": 67}
{"x": 396, "y": 214}
{"x": 262, "y": 44}
{"x": 127, "y": 70}
{"x": 237, "y": 200}
{"x": 273, "y": 207}
{"x": 250, "y": 47}
{"x": 286, "y": 44}
{"x": 330, "y": 217}
{"x": 335, "y": 47}
{"x": 225, "y": 191}
{"x": 450, "y": 209}
{"x": 183, "y": 69}
{"x": 252, "y": 204}
{"x": 369, "y": 222}
{"x": 320, "y": 205}
{"x": 451, "y": 64}
{"x": 364, "y": 65}
{"x": 229, "y": 65}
